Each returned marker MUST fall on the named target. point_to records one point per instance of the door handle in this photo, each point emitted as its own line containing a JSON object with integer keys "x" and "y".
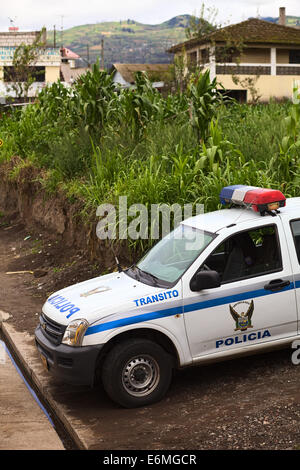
{"x": 277, "y": 284}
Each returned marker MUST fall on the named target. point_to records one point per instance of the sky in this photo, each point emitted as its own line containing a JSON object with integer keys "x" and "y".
{"x": 34, "y": 14}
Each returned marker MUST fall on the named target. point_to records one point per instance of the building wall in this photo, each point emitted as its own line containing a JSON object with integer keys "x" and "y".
{"x": 17, "y": 38}
{"x": 118, "y": 78}
{"x": 268, "y": 86}
{"x": 49, "y": 58}
{"x": 52, "y": 74}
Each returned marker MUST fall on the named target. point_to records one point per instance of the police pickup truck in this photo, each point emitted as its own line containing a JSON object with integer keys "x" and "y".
{"x": 221, "y": 285}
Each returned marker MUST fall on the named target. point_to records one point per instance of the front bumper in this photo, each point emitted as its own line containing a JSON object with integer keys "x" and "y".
{"x": 69, "y": 364}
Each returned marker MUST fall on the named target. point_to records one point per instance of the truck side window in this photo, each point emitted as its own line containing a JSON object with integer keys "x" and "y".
{"x": 295, "y": 226}
{"x": 247, "y": 254}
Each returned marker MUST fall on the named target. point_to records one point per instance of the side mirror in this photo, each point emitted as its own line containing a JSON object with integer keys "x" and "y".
{"x": 205, "y": 280}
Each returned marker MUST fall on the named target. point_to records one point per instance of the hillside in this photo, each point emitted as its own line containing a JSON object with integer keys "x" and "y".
{"x": 290, "y": 20}
{"x": 125, "y": 41}
{"x": 132, "y": 42}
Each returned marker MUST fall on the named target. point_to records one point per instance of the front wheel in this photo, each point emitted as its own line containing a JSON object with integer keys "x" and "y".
{"x": 137, "y": 373}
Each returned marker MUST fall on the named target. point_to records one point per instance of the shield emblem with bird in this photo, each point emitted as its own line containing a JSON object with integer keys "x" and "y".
{"x": 243, "y": 319}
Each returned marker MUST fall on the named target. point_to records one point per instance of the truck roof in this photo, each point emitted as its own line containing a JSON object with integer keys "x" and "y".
{"x": 217, "y": 220}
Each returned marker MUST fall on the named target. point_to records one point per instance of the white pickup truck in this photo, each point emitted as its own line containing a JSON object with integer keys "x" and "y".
{"x": 221, "y": 285}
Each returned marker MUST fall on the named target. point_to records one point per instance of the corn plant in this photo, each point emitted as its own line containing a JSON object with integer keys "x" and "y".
{"x": 204, "y": 98}
{"x": 140, "y": 105}
{"x": 286, "y": 162}
{"x": 95, "y": 99}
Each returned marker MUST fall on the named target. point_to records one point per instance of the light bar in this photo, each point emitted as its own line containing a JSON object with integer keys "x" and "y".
{"x": 259, "y": 199}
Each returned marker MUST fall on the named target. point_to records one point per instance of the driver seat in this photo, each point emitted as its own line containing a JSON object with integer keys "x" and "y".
{"x": 241, "y": 258}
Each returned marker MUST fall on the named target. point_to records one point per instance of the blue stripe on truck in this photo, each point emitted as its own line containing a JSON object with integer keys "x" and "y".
{"x": 143, "y": 317}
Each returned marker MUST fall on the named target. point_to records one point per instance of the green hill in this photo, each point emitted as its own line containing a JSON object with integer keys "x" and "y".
{"x": 290, "y": 20}
{"x": 125, "y": 41}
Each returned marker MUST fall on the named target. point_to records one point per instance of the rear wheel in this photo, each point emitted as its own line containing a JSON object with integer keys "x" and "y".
{"x": 137, "y": 373}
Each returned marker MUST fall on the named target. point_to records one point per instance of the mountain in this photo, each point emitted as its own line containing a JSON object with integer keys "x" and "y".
{"x": 125, "y": 41}
{"x": 290, "y": 20}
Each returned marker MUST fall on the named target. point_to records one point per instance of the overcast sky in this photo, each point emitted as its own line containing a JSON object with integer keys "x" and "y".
{"x": 34, "y": 14}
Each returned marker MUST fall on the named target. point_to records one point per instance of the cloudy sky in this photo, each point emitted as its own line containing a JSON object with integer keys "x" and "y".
{"x": 33, "y": 14}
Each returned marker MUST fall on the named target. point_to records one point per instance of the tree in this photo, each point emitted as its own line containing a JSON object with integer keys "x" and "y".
{"x": 199, "y": 26}
{"x": 23, "y": 72}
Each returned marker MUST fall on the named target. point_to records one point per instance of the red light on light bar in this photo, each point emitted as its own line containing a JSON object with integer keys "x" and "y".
{"x": 262, "y": 200}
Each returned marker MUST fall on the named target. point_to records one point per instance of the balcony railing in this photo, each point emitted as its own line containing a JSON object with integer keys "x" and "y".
{"x": 255, "y": 69}
{"x": 243, "y": 69}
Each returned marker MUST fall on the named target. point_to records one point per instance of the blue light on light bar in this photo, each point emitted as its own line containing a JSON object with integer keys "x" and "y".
{"x": 227, "y": 193}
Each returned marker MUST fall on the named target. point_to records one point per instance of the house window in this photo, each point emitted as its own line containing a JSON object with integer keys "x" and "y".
{"x": 192, "y": 58}
{"x": 294, "y": 56}
{"x": 238, "y": 95}
{"x": 11, "y": 74}
{"x": 205, "y": 56}
{"x": 227, "y": 54}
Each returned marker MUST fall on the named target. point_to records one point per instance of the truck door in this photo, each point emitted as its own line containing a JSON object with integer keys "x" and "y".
{"x": 256, "y": 300}
{"x": 292, "y": 230}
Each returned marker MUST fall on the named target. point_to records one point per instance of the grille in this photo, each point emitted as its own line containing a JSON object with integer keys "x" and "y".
{"x": 53, "y": 331}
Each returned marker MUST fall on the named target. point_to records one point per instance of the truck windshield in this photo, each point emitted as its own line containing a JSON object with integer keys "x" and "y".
{"x": 171, "y": 257}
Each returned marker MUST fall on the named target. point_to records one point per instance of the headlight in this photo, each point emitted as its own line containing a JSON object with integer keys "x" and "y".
{"x": 75, "y": 332}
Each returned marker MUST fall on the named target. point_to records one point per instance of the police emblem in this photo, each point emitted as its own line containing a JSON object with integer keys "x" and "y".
{"x": 243, "y": 319}
{"x": 98, "y": 290}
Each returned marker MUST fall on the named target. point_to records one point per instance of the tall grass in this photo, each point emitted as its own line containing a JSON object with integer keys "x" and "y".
{"x": 256, "y": 130}
{"x": 99, "y": 142}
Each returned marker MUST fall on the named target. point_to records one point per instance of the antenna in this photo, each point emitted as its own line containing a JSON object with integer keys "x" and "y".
{"x": 102, "y": 53}
{"x": 88, "y": 54}
{"x": 12, "y": 20}
{"x": 62, "y": 30}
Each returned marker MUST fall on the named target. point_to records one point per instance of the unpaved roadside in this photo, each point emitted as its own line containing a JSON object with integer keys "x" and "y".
{"x": 250, "y": 403}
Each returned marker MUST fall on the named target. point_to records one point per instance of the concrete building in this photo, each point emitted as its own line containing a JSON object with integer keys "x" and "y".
{"x": 72, "y": 66}
{"x": 268, "y": 54}
{"x": 45, "y": 68}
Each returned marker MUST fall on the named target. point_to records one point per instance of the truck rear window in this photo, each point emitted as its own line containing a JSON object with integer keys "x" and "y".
{"x": 295, "y": 226}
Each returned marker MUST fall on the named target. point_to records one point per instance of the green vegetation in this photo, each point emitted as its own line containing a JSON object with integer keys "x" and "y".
{"x": 97, "y": 143}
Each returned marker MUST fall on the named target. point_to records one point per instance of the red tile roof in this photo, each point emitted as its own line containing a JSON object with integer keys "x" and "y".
{"x": 68, "y": 54}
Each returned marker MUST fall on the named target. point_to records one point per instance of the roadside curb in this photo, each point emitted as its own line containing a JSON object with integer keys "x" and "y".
{"x": 22, "y": 345}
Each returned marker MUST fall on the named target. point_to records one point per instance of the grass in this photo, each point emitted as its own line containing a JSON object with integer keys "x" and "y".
{"x": 256, "y": 130}
{"x": 96, "y": 145}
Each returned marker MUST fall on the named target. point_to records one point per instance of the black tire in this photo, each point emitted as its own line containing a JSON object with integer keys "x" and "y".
{"x": 137, "y": 372}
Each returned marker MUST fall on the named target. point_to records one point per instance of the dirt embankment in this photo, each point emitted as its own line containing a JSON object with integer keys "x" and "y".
{"x": 59, "y": 245}
{"x": 24, "y": 195}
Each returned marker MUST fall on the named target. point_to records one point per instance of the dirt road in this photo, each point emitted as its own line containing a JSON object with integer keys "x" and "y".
{"x": 250, "y": 403}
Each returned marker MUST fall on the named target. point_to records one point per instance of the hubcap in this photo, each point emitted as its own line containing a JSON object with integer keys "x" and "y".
{"x": 140, "y": 375}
